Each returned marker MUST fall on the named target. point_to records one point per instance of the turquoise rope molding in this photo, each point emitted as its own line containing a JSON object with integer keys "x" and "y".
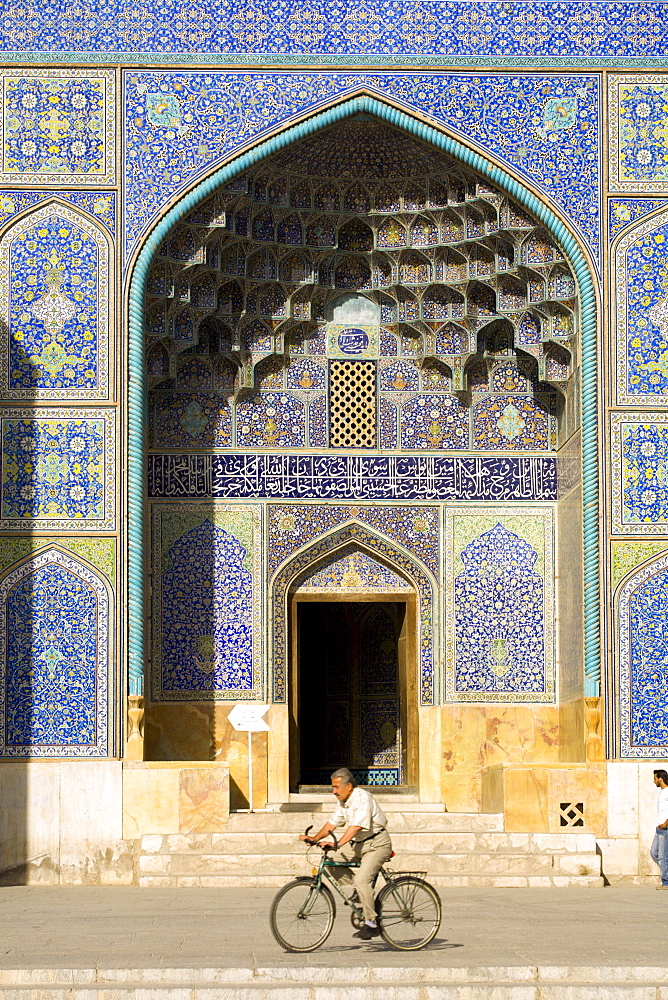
{"x": 136, "y": 392}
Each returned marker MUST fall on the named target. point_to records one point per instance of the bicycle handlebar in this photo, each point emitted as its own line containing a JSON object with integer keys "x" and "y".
{"x": 315, "y": 843}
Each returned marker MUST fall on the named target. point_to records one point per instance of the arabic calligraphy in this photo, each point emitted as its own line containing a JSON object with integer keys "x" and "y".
{"x": 352, "y": 477}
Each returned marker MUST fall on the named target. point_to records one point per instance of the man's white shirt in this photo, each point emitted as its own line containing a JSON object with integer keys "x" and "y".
{"x": 360, "y": 809}
{"x": 662, "y": 806}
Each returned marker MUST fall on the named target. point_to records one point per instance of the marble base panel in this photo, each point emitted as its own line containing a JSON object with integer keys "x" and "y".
{"x": 60, "y": 823}
{"x": 475, "y": 737}
{"x": 175, "y": 797}
{"x": 537, "y": 798}
{"x": 199, "y": 731}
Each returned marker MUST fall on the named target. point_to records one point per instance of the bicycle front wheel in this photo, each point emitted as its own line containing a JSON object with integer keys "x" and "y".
{"x": 409, "y": 913}
{"x": 302, "y": 915}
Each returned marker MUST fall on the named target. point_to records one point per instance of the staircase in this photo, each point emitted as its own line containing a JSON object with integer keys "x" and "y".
{"x": 455, "y": 849}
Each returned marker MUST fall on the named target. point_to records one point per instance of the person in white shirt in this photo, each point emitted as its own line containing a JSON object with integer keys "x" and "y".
{"x": 364, "y": 839}
{"x": 659, "y": 849}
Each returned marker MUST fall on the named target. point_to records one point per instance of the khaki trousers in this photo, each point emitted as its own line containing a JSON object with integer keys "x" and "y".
{"x": 371, "y": 854}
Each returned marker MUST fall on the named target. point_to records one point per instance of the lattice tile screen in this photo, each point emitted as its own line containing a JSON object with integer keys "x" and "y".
{"x": 352, "y": 403}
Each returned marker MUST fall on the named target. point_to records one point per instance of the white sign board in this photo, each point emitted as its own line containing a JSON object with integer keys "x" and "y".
{"x": 248, "y": 718}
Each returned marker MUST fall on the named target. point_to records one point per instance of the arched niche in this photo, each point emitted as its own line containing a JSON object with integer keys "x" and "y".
{"x": 54, "y": 658}
{"x": 56, "y": 294}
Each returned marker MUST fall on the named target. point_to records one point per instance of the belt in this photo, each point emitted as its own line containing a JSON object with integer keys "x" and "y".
{"x": 370, "y": 837}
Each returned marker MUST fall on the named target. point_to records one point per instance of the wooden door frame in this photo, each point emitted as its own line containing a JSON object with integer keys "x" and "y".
{"x": 408, "y": 672}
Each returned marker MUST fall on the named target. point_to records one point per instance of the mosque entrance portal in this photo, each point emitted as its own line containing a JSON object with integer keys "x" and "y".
{"x": 351, "y": 692}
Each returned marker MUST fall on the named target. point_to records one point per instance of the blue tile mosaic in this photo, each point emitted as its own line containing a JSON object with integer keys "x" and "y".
{"x": 499, "y": 619}
{"x": 622, "y": 212}
{"x": 293, "y": 526}
{"x": 643, "y": 657}
{"x": 645, "y": 473}
{"x": 641, "y": 302}
{"x": 54, "y": 283}
{"x": 352, "y": 571}
{"x": 100, "y": 204}
{"x": 207, "y": 616}
{"x": 58, "y": 469}
{"x": 54, "y": 623}
{"x": 507, "y": 115}
{"x": 58, "y": 126}
{"x": 485, "y": 30}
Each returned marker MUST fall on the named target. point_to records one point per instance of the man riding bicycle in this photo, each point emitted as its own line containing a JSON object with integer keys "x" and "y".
{"x": 365, "y": 840}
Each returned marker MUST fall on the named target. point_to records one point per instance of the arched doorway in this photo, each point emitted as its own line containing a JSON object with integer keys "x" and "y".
{"x": 353, "y": 672}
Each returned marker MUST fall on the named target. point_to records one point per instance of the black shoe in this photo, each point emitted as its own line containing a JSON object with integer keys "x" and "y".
{"x": 365, "y": 933}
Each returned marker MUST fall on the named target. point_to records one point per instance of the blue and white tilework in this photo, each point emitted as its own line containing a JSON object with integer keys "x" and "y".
{"x": 643, "y": 661}
{"x": 207, "y": 618}
{"x": 54, "y": 639}
{"x": 55, "y": 292}
{"x": 57, "y": 127}
{"x": 352, "y": 571}
{"x": 623, "y": 212}
{"x": 291, "y": 526}
{"x": 433, "y": 31}
{"x": 641, "y": 300}
{"x": 308, "y": 559}
{"x": 58, "y": 469}
{"x": 499, "y": 614}
{"x": 100, "y": 204}
{"x": 512, "y": 117}
{"x": 639, "y": 456}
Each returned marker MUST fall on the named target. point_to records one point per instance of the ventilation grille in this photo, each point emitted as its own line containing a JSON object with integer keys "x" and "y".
{"x": 571, "y": 814}
{"x": 352, "y": 404}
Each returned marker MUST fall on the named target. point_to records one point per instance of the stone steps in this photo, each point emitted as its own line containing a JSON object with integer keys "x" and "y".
{"x": 364, "y": 982}
{"x": 455, "y": 850}
{"x": 398, "y": 821}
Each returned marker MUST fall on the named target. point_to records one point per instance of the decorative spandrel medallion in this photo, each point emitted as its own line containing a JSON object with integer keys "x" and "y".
{"x": 57, "y": 127}
{"x": 55, "y": 293}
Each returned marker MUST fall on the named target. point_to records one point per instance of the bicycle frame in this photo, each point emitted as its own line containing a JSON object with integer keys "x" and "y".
{"x": 323, "y": 874}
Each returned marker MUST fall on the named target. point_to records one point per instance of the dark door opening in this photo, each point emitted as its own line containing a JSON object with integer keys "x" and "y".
{"x": 351, "y": 671}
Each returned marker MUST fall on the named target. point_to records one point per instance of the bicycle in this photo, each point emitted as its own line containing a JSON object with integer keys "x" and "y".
{"x": 302, "y": 912}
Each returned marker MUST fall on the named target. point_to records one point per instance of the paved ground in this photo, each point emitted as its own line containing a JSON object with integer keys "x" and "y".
{"x": 79, "y": 928}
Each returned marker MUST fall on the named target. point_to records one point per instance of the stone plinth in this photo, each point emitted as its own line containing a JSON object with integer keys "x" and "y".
{"x": 175, "y": 797}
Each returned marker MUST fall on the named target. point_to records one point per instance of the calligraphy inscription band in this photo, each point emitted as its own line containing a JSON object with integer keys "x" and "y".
{"x": 346, "y": 477}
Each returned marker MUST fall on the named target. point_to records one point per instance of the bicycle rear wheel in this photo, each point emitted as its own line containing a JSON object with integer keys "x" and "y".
{"x": 302, "y": 915}
{"x": 409, "y": 913}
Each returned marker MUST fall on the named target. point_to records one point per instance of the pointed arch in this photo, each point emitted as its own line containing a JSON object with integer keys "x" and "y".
{"x": 640, "y": 609}
{"x": 380, "y": 549}
{"x": 54, "y": 650}
{"x": 55, "y": 304}
{"x": 403, "y": 117}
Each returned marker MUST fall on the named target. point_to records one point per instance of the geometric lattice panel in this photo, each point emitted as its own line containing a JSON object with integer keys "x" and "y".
{"x": 352, "y": 400}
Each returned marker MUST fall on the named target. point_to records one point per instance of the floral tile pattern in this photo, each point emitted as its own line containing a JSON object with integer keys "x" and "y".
{"x": 54, "y": 646}
{"x": 639, "y": 449}
{"x": 57, "y": 127}
{"x": 499, "y": 610}
{"x": 58, "y": 469}
{"x": 55, "y": 291}
{"x": 207, "y": 612}
{"x": 623, "y": 212}
{"x": 643, "y": 672}
{"x": 638, "y": 140}
{"x": 514, "y": 117}
{"x": 352, "y": 571}
{"x": 641, "y": 303}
